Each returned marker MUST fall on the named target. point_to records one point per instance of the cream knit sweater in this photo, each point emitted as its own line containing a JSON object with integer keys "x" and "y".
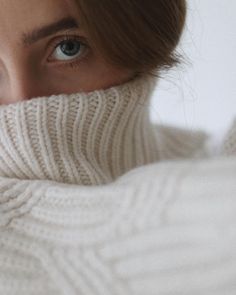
{"x": 94, "y": 199}
{"x": 88, "y": 138}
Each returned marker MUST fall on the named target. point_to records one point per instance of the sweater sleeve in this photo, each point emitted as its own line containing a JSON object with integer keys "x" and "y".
{"x": 167, "y": 228}
{"x": 17, "y": 197}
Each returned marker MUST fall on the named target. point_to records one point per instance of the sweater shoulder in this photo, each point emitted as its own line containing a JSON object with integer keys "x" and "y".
{"x": 228, "y": 146}
{"x": 178, "y": 142}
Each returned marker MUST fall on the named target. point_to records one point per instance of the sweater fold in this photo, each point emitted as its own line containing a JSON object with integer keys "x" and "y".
{"x": 166, "y": 228}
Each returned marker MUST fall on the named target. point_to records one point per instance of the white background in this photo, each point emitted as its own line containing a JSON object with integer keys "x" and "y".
{"x": 202, "y": 92}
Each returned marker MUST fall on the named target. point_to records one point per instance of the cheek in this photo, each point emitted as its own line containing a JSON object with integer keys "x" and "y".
{"x": 89, "y": 75}
{"x": 101, "y": 75}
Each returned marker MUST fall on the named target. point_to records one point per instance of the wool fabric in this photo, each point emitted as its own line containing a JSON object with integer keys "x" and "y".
{"x": 95, "y": 200}
{"x": 88, "y": 138}
{"x": 228, "y": 146}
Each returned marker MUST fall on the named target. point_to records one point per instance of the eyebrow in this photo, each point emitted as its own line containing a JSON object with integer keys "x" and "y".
{"x": 45, "y": 31}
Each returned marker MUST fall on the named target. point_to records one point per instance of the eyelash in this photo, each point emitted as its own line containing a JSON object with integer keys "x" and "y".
{"x": 79, "y": 39}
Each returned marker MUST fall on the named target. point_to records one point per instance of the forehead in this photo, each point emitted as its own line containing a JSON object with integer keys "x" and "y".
{"x": 17, "y": 16}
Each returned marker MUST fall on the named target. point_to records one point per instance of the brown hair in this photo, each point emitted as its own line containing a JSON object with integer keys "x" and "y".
{"x": 140, "y": 35}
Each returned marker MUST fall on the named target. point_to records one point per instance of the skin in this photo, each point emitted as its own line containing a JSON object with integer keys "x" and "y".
{"x": 41, "y": 68}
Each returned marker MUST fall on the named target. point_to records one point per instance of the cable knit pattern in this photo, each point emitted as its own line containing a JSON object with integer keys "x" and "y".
{"x": 95, "y": 200}
{"x": 167, "y": 228}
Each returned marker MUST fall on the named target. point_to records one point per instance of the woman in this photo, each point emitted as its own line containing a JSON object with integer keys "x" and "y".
{"x": 90, "y": 201}
{"x": 59, "y": 48}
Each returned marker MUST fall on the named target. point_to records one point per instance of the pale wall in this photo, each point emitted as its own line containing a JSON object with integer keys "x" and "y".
{"x": 202, "y": 94}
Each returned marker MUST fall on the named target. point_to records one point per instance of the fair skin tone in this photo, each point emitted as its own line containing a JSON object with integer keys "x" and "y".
{"x": 54, "y": 61}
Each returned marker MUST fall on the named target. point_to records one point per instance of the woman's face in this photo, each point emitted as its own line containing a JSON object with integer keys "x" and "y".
{"x": 44, "y": 51}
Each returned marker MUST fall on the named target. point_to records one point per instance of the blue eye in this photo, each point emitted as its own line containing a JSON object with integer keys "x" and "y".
{"x": 68, "y": 49}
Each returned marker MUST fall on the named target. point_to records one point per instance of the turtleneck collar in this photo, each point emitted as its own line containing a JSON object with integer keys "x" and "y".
{"x": 82, "y": 138}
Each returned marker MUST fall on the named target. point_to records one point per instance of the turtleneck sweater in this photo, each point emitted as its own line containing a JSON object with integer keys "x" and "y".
{"x": 96, "y": 200}
{"x": 88, "y": 138}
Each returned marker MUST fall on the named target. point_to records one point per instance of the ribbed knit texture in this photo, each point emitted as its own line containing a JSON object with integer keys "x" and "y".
{"x": 81, "y": 138}
{"x": 86, "y": 138}
{"x": 95, "y": 200}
